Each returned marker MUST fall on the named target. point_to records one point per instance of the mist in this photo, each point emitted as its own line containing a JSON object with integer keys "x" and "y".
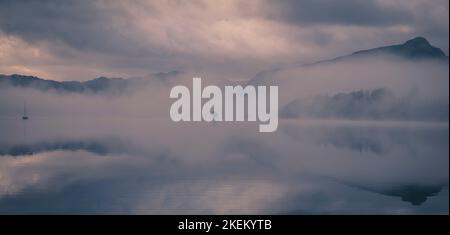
{"x": 421, "y": 86}
{"x": 122, "y": 149}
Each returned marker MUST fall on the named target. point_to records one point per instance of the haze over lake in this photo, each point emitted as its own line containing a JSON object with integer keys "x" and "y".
{"x": 55, "y": 165}
{"x": 362, "y": 100}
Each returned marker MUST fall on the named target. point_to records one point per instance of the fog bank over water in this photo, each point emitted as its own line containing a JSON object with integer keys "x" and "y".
{"x": 410, "y": 90}
{"x": 156, "y": 166}
{"x": 428, "y": 78}
{"x": 363, "y": 107}
{"x": 120, "y": 153}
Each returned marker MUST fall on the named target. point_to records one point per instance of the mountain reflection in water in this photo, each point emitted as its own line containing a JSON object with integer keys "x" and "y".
{"x": 303, "y": 168}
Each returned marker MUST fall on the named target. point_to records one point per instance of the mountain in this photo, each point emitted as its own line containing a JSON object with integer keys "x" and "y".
{"x": 405, "y": 81}
{"x": 97, "y": 85}
{"x": 413, "y": 50}
{"x": 94, "y": 86}
{"x": 366, "y": 104}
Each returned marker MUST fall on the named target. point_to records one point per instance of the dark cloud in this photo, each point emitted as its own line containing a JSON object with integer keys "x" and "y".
{"x": 347, "y": 12}
{"x": 83, "y": 25}
{"x": 226, "y": 38}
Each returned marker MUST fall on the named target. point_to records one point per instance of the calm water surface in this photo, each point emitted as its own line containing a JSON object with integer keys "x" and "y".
{"x": 147, "y": 166}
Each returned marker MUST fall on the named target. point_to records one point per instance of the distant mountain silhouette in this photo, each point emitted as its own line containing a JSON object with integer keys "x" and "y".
{"x": 97, "y": 85}
{"x": 93, "y": 86}
{"x": 414, "y": 50}
{"x": 374, "y": 104}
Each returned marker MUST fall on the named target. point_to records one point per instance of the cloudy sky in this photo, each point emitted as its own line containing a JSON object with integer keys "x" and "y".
{"x": 80, "y": 40}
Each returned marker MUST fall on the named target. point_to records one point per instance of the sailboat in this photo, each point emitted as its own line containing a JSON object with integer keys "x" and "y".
{"x": 25, "y": 117}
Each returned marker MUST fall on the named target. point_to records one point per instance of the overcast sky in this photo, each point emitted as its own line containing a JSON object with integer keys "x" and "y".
{"x": 80, "y": 40}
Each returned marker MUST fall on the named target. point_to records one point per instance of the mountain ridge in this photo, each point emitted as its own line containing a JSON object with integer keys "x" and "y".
{"x": 94, "y": 86}
{"x": 102, "y": 84}
{"x": 379, "y": 104}
{"x": 418, "y": 48}
{"x": 414, "y": 49}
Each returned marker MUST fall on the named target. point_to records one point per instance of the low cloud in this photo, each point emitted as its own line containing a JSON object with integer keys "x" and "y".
{"x": 84, "y": 39}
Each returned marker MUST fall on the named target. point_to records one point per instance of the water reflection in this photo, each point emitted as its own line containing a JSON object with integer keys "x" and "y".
{"x": 303, "y": 168}
{"x": 415, "y": 194}
{"x": 92, "y": 146}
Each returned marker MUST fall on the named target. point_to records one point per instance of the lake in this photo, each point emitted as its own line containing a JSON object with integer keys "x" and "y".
{"x": 154, "y": 166}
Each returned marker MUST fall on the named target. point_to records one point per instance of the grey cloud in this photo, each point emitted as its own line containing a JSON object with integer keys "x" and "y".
{"x": 347, "y": 12}
{"x": 229, "y": 39}
{"x": 84, "y": 25}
